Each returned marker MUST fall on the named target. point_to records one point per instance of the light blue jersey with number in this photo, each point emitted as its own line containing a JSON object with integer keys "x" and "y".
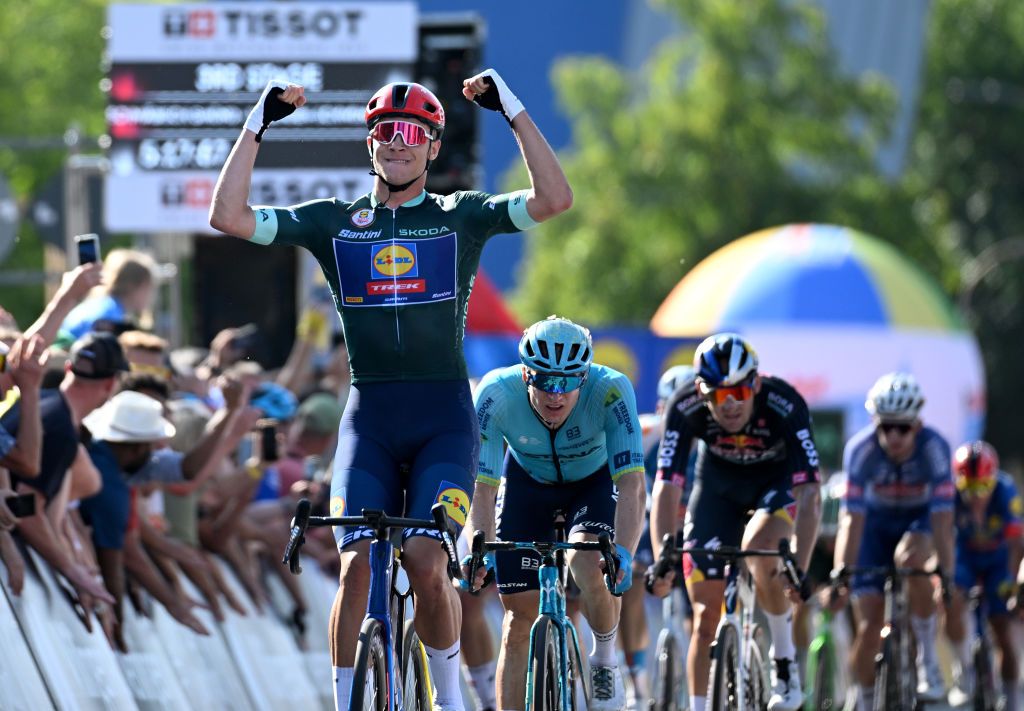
{"x": 602, "y": 428}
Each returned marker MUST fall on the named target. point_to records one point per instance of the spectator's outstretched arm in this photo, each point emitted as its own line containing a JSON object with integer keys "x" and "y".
{"x": 38, "y": 532}
{"x": 298, "y": 369}
{"x": 138, "y": 563}
{"x": 218, "y": 442}
{"x": 73, "y": 288}
{"x": 27, "y": 361}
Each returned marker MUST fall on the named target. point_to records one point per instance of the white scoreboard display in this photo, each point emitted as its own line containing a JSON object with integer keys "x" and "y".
{"x": 183, "y": 78}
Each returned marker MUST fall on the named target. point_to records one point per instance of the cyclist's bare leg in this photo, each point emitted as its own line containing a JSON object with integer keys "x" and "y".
{"x": 600, "y": 607}
{"x": 1002, "y": 629}
{"x": 520, "y": 613}
{"x": 956, "y": 629}
{"x": 633, "y": 632}
{"x": 349, "y": 607}
{"x": 764, "y": 532}
{"x": 478, "y": 646}
{"x": 706, "y": 598}
{"x": 347, "y": 615}
{"x": 438, "y": 615}
{"x": 869, "y": 613}
{"x": 913, "y": 551}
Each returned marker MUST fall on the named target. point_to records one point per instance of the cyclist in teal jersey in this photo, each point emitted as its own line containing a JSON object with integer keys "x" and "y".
{"x": 574, "y": 445}
{"x": 400, "y": 264}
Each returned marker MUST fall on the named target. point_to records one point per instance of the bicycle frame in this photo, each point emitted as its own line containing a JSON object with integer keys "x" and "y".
{"x": 383, "y": 566}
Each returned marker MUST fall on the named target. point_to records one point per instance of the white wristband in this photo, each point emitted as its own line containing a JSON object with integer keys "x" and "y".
{"x": 509, "y": 103}
{"x": 255, "y": 120}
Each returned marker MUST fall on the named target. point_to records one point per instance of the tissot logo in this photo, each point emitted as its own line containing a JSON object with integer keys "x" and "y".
{"x": 267, "y": 24}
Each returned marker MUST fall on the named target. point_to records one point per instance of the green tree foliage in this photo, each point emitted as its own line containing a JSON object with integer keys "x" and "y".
{"x": 743, "y": 122}
{"x": 50, "y": 68}
{"x": 965, "y": 174}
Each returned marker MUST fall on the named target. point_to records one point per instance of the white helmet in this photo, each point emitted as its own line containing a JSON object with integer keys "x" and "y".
{"x": 895, "y": 396}
{"x": 673, "y": 379}
{"x": 556, "y": 345}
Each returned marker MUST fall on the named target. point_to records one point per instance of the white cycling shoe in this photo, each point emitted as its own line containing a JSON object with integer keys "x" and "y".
{"x": 607, "y": 690}
{"x": 930, "y": 684}
{"x": 786, "y": 692}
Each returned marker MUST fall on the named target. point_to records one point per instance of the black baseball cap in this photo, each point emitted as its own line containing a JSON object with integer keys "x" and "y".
{"x": 97, "y": 356}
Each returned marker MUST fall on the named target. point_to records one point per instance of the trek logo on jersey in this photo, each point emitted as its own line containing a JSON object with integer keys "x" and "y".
{"x": 455, "y": 501}
{"x": 363, "y": 218}
{"x": 393, "y": 260}
{"x": 403, "y": 286}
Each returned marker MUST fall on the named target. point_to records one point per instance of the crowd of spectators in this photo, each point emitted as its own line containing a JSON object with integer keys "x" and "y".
{"x": 129, "y": 467}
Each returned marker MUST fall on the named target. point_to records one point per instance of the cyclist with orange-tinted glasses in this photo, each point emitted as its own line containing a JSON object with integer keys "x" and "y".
{"x": 989, "y": 546}
{"x": 755, "y": 452}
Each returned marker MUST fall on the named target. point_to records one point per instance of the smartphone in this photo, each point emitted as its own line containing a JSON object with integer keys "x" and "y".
{"x": 88, "y": 248}
{"x": 268, "y": 440}
{"x": 22, "y": 506}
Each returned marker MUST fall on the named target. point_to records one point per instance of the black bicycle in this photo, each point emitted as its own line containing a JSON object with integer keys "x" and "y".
{"x": 985, "y": 695}
{"x": 387, "y": 641}
{"x": 739, "y": 678}
{"x": 668, "y": 686}
{"x": 895, "y": 665}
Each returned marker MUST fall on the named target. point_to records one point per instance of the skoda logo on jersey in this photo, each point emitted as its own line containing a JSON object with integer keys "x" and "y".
{"x": 362, "y": 218}
{"x": 393, "y": 260}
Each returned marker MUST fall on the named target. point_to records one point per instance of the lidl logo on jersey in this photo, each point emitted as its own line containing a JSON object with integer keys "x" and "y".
{"x": 362, "y": 218}
{"x": 455, "y": 501}
{"x": 337, "y": 505}
{"x": 393, "y": 260}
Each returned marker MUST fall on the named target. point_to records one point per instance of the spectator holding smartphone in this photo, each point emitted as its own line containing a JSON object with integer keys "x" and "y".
{"x": 129, "y": 285}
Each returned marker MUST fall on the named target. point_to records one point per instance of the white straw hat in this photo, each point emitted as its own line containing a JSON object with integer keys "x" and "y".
{"x": 129, "y": 417}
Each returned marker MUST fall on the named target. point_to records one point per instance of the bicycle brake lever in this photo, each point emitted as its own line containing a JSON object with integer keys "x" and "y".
{"x": 611, "y": 563}
{"x": 297, "y": 537}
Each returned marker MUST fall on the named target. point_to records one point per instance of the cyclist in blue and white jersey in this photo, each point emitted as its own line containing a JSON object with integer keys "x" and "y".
{"x": 574, "y": 444}
{"x": 989, "y": 548}
{"x": 898, "y": 505}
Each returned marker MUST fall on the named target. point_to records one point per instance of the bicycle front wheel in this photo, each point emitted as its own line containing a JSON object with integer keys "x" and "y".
{"x": 887, "y": 676}
{"x": 579, "y": 679}
{"x": 984, "y": 678}
{"x": 543, "y": 693}
{"x": 668, "y": 675}
{"x": 417, "y": 690}
{"x": 723, "y": 694}
{"x": 370, "y": 677}
{"x": 759, "y": 682}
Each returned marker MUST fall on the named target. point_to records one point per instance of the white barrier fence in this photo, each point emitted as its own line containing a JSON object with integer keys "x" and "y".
{"x": 49, "y": 661}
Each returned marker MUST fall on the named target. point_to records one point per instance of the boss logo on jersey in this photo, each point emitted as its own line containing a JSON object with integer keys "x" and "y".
{"x": 807, "y": 443}
{"x": 455, "y": 501}
{"x": 393, "y": 260}
{"x": 363, "y": 218}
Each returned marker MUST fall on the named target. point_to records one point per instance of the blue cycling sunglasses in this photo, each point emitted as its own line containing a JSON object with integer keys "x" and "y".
{"x": 554, "y": 382}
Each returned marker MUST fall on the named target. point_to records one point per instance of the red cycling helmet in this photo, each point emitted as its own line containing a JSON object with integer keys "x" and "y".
{"x": 406, "y": 100}
{"x": 975, "y": 466}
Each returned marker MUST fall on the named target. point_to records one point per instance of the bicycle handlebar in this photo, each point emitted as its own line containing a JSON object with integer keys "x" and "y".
{"x": 838, "y": 578}
{"x": 792, "y": 571}
{"x": 667, "y": 560}
{"x": 381, "y": 524}
{"x": 603, "y": 544}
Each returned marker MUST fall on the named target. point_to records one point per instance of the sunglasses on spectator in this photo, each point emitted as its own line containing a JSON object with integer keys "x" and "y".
{"x": 553, "y": 382}
{"x": 739, "y": 393}
{"x": 901, "y": 427}
{"x": 412, "y": 133}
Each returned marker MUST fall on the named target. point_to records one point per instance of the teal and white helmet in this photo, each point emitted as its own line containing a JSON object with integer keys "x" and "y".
{"x": 557, "y": 345}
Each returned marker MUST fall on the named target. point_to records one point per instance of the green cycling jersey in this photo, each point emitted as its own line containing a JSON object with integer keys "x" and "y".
{"x": 400, "y": 277}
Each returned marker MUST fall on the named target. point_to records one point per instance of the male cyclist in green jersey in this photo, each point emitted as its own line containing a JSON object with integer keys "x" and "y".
{"x": 400, "y": 264}
{"x": 574, "y": 445}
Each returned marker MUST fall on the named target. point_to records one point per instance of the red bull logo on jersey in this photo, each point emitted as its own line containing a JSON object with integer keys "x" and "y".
{"x": 393, "y": 260}
{"x": 455, "y": 500}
